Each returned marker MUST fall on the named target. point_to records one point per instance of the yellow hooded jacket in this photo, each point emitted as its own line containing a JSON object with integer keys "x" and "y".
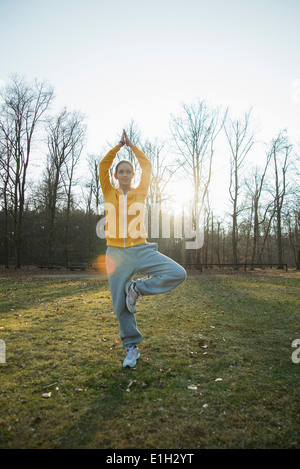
{"x": 125, "y": 213}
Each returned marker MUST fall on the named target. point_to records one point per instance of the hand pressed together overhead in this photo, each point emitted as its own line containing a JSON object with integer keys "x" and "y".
{"x": 125, "y": 140}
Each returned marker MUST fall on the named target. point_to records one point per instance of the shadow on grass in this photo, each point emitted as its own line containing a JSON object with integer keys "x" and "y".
{"x": 26, "y": 294}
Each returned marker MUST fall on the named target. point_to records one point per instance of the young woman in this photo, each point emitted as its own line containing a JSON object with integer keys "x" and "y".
{"x": 128, "y": 251}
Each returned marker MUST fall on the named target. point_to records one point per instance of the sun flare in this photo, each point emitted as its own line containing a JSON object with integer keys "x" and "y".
{"x": 104, "y": 265}
{"x": 182, "y": 195}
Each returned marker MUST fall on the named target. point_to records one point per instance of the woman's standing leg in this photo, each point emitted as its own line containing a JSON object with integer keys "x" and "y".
{"x": 120, "y": 269}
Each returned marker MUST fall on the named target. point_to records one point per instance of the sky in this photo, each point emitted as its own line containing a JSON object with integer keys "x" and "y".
{"x": 117, "y": 60}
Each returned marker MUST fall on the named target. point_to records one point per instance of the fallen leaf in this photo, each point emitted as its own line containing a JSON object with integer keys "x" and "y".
{"x": 131, "y": 383}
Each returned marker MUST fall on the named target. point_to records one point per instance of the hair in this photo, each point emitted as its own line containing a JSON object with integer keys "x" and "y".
{"x": 124, "y": 161}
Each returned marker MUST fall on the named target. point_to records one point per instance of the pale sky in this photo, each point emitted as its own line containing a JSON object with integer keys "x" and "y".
{"x": 117, "y": 60}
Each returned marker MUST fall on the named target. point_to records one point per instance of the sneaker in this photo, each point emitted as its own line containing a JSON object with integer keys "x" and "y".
{"x": 132, "y": 356}
{"x": 131, "y": 296}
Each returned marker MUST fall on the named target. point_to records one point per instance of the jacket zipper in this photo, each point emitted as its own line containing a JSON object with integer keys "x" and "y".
{"x": 125, "y": 199}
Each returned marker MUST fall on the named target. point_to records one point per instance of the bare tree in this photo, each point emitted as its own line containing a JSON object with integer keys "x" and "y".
{"x": 65, "y": 139}
{"x": 69, "y": 181}
{"x": 194, "y": 133}
{"x": 293, "y": 224}
{"x": 6, "y": 187}
{"x": 241, "y": 139}
{"x": 280, "y": 151}
{"x": 93, "y": 185}
{"x": 295, "y": 238}
{"x": 162, "y": 172}
{"x": 23, "y": 106}
{"x": 255, "y": 187}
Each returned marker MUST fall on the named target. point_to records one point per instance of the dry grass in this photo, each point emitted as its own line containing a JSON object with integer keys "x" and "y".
{"x": 215, "y": 368}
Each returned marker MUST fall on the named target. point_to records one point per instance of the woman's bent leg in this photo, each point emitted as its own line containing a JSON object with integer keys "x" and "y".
{"x": 165, "y": 273}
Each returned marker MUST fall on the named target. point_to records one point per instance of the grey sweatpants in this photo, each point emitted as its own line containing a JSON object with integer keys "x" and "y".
{"x": 122, "y": 264}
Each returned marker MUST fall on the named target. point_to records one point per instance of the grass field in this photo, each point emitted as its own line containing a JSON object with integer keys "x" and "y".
{"x": 216, "y": 368}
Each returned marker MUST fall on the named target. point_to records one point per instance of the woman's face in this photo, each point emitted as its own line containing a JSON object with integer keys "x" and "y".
{"x": 124, "y": 175}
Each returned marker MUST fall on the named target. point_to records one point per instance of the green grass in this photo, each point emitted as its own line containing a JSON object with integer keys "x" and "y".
{"x": 227, "y": 335}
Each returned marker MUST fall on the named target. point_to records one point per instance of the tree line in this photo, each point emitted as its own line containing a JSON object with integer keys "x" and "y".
{"x": 52, "y": 220}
